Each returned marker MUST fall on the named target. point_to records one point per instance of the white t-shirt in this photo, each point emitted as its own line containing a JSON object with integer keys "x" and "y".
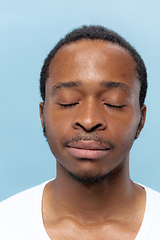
{"x": 21, "y": 216}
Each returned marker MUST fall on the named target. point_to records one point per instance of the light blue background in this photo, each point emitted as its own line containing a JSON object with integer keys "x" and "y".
{"x": 28, "y": 31}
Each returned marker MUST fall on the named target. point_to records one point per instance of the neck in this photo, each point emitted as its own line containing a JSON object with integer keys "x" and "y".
{"x": 92, "y": 202}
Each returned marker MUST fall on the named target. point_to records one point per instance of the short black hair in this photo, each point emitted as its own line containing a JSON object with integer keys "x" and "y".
{"x": 94, "y": 32}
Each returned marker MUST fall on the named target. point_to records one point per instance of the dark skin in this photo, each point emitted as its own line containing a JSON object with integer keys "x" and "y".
{"x": 92, "y": 116}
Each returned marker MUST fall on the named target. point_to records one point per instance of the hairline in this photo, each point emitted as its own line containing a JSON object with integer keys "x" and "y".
{"x": 104, "y": 34}
{"x": 103, "y": 40}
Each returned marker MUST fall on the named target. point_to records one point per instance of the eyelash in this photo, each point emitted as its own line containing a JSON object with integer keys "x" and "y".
{"x": 114, "y": 106}
{"x": 74, "y": 104}
{"x": 68, "y": 105}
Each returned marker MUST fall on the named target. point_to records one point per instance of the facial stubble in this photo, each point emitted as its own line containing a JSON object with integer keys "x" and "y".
{"x": 88, "y": 178}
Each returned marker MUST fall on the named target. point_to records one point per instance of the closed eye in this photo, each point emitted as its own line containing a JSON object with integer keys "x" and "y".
{"x": 68, "y": 105}
{"x": 114, "y": 106}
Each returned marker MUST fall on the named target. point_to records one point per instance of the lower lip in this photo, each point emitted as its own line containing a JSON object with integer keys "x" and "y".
{"x": 87, "y": 153}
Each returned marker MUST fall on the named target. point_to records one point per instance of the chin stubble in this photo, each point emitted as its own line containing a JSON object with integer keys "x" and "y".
{"x": 88, "y": 179}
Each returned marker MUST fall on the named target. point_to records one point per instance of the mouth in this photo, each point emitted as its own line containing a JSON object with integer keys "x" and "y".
{"x": 88, "y": 150}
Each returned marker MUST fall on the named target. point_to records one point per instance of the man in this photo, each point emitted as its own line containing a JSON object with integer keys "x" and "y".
{"x": 93, "y": 85}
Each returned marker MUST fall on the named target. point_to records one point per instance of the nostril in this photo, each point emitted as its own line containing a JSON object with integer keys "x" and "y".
{"x": 89, "y": 119}
{"x": 98, "y": 126}
{"x": 91, "y": 128}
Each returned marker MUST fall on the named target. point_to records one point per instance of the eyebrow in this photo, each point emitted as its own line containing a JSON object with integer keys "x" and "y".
{"x": 106, "y": 84}
{"x": 120, "y": 85}
{"x": 66, "y": 85}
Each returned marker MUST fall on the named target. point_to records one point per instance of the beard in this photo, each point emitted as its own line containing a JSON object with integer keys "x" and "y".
{"x": 89, "y": 179}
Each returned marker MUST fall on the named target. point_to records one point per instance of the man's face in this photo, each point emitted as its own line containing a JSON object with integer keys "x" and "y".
{"x": 91, "y": 112}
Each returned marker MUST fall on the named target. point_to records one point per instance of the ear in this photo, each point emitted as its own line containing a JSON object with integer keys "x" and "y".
{"x": 41, "y": 106}
{"x": 142, "y": 120}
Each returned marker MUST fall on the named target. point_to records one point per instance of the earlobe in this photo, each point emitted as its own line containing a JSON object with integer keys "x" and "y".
{"x": 142, "y": 120}
{"x": 41, "y": 109}
{"x": 41, "y": 106}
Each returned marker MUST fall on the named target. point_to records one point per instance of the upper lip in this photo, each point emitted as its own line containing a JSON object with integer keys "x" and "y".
{"x": 89, "y": 145}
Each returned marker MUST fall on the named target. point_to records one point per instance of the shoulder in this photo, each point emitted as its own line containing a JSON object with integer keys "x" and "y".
{"x": 153, "y": 195}
{"x": 151, "y": 219}
{"x": 19, "y": 211}
{"x": 19, "y": 200}
{"x": 152, "y": 199}
{"x": 150, "y": 193}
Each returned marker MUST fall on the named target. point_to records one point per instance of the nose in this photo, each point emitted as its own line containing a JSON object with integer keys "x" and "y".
{"x": 89, "y": 117}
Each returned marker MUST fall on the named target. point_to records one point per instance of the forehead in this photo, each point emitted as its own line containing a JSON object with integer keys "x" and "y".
{"x": 91, "y": 61}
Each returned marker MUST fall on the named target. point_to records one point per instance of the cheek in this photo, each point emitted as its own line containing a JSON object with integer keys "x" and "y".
{"x": 56, "y": 128}
{"x": 54, "y": 137}
{"x": 125, "y": 127}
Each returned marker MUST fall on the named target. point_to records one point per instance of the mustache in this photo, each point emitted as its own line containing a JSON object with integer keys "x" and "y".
{"x": 82, "y": 137}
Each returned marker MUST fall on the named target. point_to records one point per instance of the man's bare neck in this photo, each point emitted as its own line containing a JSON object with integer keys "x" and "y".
{"x": 67, "y": 197}
{"x": 100, "y": 205}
